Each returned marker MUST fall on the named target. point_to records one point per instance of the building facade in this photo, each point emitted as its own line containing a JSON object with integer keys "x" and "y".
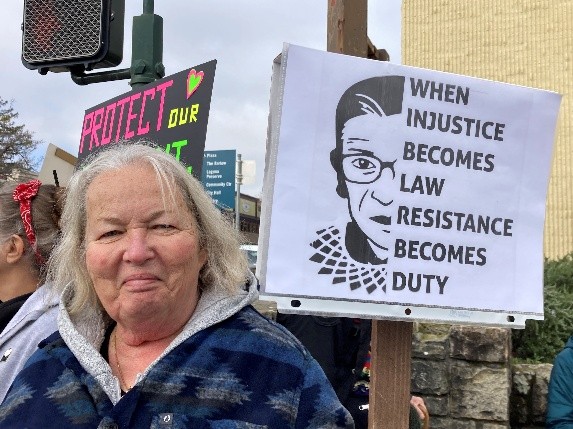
{"x": 523, "y": 42}
{"x": 250, "y": 213}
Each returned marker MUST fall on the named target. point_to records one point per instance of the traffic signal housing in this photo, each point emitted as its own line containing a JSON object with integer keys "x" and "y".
{"x": 72, "y": 35}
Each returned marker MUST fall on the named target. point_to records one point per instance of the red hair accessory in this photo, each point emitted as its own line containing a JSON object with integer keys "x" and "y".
{"x": 23, "y": 194}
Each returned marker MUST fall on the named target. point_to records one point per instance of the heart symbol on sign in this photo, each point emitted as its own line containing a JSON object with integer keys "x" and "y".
{"x": 194, "y": 79}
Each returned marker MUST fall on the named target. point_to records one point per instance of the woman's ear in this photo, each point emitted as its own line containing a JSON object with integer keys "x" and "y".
{"x": 15, "y": 248}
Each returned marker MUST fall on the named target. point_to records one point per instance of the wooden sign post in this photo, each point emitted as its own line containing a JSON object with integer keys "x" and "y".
{"x": 391, "y": 341}
{"x": 390, "y": 374}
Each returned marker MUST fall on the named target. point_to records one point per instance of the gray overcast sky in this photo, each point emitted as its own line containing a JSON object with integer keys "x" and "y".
{"x": 244, "y": 36}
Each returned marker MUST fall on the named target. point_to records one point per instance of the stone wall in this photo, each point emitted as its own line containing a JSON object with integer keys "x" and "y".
{"x": 528, "y": 395}
{"x": 465, "y": 376}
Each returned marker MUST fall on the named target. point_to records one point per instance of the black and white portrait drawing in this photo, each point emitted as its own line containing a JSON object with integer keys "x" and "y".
{"x": 356, "y": 254}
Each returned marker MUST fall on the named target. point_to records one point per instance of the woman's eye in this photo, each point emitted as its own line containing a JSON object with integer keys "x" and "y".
{"x": 164, "y": 227}
{"x": 363, "y": 163}
{"x": 109, "y": 234}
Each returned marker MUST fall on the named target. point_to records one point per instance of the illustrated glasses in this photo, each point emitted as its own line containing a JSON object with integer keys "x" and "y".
{"x": 362, "y": 168}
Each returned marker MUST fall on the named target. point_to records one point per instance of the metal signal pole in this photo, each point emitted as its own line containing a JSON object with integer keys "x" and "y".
{"x": 239, "y": 181}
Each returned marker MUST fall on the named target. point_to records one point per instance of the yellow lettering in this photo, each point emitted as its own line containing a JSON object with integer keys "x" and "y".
{"x": 194, "y": 111}
{"x": 172, "y": 118}
{"x": 183, "y": 113}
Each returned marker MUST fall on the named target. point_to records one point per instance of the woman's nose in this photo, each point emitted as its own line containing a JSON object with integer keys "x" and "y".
{"x": 138, "y": 248}
{"x": 382, "y": 190}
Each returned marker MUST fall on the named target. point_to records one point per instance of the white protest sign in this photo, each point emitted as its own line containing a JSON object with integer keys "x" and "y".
{"x": 402, "y": 193}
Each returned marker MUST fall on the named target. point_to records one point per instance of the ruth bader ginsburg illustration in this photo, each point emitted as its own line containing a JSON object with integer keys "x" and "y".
{"x": 357, "y": 253}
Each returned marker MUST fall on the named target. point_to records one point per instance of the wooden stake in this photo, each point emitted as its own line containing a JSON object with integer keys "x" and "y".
{"x": 347, "y": 33}
{"x": 346, "y": 27}
{"x": 390, "y": 371}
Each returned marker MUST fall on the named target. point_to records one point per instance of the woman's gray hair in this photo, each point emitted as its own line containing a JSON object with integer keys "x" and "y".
{"x": 226, "y": 265}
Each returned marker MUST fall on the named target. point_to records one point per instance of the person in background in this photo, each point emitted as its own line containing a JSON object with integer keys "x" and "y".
{"x": 29, "y": 217}
{"x": 560, "y": 391}
{"x": 341, "y": 346}
{"x": 156, "y": 327}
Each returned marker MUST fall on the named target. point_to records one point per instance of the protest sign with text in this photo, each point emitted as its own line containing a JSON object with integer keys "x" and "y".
{"x": 402, "y": 193}
{"x": 172, "y": 112}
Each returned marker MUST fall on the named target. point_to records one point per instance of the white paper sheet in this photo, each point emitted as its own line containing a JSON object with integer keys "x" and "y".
{"x": 442, "y": 182}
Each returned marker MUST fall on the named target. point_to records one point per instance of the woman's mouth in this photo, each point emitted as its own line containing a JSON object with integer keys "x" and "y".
{"x": 383, "y": 220}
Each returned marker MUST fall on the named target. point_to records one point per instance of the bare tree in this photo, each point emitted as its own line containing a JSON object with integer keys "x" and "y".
{"x": 16, "y": 145}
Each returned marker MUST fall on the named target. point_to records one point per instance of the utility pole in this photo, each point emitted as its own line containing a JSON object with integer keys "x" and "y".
{"x": 391, "y": 345}
{"x": 239, "y": 180}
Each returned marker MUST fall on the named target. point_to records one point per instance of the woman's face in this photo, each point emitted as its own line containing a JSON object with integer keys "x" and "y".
{"x": 143, "y": 257}
{"x": 368, "y": 163}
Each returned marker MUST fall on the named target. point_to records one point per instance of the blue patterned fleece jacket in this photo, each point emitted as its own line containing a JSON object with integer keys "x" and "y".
{"x": 229, "y": 368}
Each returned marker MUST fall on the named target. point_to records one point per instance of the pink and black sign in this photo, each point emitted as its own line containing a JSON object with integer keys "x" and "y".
{"x": 173, "y": 112}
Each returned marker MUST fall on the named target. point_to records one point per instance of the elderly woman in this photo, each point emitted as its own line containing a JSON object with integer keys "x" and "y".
{"x": 156, "y": 327}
